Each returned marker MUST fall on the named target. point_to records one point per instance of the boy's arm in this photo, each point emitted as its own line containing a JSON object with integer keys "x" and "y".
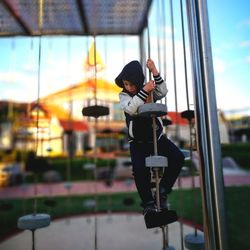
{"x": 161, "y": 88}
{"x": 130, "y": 104}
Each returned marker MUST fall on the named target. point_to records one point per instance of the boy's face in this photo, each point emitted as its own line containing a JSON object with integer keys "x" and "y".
{"x": 130, "y": 87}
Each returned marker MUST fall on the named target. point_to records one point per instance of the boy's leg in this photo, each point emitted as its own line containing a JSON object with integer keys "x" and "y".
{"x": 142, "y": 174}
{"x": 175, "y": 162}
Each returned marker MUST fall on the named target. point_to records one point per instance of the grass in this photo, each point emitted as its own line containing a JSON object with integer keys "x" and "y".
{"x": 65, "y": 206}
{"x": 239, "y": 152}
{"x": 187, "y": 202}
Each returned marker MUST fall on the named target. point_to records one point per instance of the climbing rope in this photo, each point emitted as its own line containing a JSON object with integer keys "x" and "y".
{"x": 156, "y": 170}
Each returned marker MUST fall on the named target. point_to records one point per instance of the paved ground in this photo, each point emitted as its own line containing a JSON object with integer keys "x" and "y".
{"x": 90, "y": 187}
{"x": 114, "y": 232}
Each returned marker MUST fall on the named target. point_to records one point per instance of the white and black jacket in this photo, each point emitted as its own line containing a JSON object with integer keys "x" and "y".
{"x": 140, "y": 128}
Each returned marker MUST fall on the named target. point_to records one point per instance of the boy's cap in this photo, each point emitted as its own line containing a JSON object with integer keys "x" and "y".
{"x": 133, "y": 73}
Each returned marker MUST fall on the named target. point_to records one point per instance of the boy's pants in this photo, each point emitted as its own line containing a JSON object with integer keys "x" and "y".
{"x": 142, "y": 174}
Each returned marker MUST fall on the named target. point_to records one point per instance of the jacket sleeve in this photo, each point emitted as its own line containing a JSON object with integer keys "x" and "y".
{"x": 161, "y": 88}
{"x": 130, "y": 104}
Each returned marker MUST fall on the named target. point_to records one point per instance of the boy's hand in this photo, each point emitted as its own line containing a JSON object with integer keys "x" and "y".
{"x": 149, "y": 86}
{"x": 151, "y": 66}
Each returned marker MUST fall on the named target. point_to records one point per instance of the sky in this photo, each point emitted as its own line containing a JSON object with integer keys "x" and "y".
{"x": 62, "y": 58}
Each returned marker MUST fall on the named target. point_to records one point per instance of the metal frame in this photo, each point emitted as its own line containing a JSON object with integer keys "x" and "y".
{"x": 207, "y": 126}
{"x": 73, "y": 17}
{"x": 14, "y": 21}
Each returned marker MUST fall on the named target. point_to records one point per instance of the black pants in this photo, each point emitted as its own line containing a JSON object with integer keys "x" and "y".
{"x": 142, "y": 174}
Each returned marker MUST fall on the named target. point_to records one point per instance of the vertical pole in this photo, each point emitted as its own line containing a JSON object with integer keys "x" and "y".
{"x": 152, "y": 99}
{"x": 177, "y": 128}
{"x": 33, "y": 239}
{"x": 156, "y": 169}
{"x": 142, "y": 48}
{"x": 95, "y": 70}
{"x": 95, "y": 186}
{"x": 95, "y": 150}
{"x": 207, "y": 126}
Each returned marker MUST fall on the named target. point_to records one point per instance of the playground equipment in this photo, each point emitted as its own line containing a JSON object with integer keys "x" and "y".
{"x": 202, "y": 74}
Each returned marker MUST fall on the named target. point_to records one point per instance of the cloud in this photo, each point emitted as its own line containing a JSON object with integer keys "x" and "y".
{"x": 11, "y": 77}
{"x": 6, "y": 77}
{"x": 230, "y": 100}
{"x": 28, "y": 95}
{"x": 168, "y": 30}
{"x": 245, "y": 44}
{"x": 247, "y": 22}
{"x": 219, "y": 65}
{"x": 247, "y": 59}
{"x": 244, "y": 23}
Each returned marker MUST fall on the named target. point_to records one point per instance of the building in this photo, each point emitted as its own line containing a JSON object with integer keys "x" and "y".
{"x": 239, "y": 128}
{"x": 62, "y": 130}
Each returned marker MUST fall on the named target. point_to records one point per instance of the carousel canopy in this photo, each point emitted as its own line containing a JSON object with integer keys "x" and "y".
{"x": 73, "y": 17}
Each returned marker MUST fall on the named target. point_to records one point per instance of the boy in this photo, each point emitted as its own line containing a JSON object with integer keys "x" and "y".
{"x": 140, "y": 134}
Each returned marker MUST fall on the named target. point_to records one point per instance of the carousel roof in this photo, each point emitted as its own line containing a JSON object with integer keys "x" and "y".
{"x": 73, "y": 17}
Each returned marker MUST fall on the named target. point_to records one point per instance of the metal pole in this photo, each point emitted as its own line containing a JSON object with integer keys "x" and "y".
{"x": 156, "y": 170}
{"x": 33, "y": 239}
{"x": 207, "y": 126}
{"x": 177, "y": 128}
{"x": 142, "y": 50}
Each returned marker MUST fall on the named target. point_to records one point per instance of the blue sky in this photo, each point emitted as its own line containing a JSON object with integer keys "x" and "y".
{"x": 230, "y": 36}
{"x": 62, "y": 58}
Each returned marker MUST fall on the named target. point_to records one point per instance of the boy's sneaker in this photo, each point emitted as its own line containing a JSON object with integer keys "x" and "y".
{"x": 149, "y": 207}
